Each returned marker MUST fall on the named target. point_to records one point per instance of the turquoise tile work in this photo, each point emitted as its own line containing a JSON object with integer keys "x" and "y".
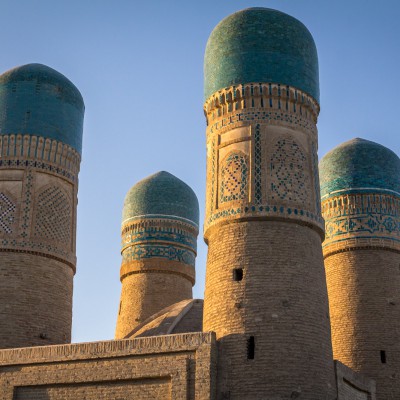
{"x": 261, "y": 45}
{"x": 358, "y": 166}
{"x": 160, "y": 220}
{"x": 161, "y": 194}
{"x": 171, "y": 253}
{"x": 234, "y": 178}
{"x": 37, "y": 100}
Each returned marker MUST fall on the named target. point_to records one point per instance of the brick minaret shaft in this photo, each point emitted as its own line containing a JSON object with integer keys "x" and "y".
{"x": 159, "y": 244}
{"x": 362, "y": 262}
{"x": 266, "y": 295}
{"x": 38, "y": 201}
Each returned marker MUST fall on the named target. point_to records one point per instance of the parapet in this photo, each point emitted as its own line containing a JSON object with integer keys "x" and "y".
{"x": 164, "y": 367}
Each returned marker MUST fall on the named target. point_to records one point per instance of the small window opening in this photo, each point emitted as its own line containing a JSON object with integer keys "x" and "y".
{"x": 383, "y": 356}
{"x": 238, "y": 274}
{"x": 250, "y": 348}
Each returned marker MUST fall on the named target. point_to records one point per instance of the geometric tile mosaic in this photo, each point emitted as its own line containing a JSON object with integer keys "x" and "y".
{"x": 234, "y": 178}
{"x": 7, "y": 213}
{"x": 172, "y": 253}
{"x": 288, "y": 172}
{"x": 53, "y": 215}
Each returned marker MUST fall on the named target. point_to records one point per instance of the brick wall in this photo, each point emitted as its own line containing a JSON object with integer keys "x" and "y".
{"x": 38, "y": 198}
{"x": 364, "y": 305}
{"x": 146, "y": 293}
{"x": 352, "y": 385}
{"x": 35, "y": 307}
{"x": 164, "y": 367}
{"x": 281, "y": 301}
{"x": 263, "y": 218}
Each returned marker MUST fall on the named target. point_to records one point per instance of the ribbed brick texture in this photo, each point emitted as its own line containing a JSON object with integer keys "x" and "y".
{"x": 35, "y": 301}
{"x": 281, "y": 301}
{"x": 364, "y": 300}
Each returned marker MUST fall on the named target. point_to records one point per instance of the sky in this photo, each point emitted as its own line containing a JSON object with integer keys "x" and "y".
{"x": 139, "y": 67}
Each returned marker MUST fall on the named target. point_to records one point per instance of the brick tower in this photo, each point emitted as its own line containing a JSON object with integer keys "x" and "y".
{"x": 159, "y": 239}
{"x": 41, "y": 120}
{"x": 265, "y": 295}
{"x": 360, "y": 190}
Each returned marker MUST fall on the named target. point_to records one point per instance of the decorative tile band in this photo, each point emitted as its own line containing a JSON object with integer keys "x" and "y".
{"x": 29, "y": 245}
{"x": 317, "y": 189}
{"x": 261, "y": 95}
{"x": 266, "y": 117}
{"x": 266, "y": 211}
{"x": 160, "y": 218}
{"x": 40, "y": 166}
{"x": 37, "y": 152}
{"x": 159, "y": 237}
{"x": 159, "y": 230}
{"x": 172, "y": 253}
{"x": 213, "y": 173}
{"x": 359, "y": 217}
{"x": 257, "y": 166}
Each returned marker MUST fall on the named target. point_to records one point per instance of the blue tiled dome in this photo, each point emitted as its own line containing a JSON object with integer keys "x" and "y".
{"x": 37, "y": 100}
{"x": 161, "y": 194}
{"x": 261, "y": 45}
{"x": 359, "y": 166}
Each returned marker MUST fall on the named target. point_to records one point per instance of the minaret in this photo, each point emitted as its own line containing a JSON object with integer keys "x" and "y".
{"x": 41, "y": 121}
{"x": 360, "y": 190}
{"x": 265, "y": 295}
{"x": 159, "y": 240}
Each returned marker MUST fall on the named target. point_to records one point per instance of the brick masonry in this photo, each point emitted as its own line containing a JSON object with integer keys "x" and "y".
{"x": 38, "y": 195}
{"x": 361, "y": 252}
{"x": 172, "y": 367}
{"x": 158, "y": 246}
{"x": 364, "y": 306}
{"x": 266, "y": 295}
{"x": 353, "y": 386}
{"x": 263, "y": 216}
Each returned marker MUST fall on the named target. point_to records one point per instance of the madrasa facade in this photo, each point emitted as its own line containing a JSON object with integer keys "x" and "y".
{"x": 303, "y": 268}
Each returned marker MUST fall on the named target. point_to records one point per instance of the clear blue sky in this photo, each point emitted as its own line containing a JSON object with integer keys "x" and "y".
{"x": 139, "y": 67}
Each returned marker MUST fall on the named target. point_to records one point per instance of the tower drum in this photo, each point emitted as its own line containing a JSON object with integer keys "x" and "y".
{"x": 41, "y": 120}
{"x": 360, "y": 190}
{"x": 159, "y": 242}
{"x": 265, "y": 294}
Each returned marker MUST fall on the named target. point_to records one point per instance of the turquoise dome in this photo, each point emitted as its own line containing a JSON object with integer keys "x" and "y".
{"x": 37, "y": 100}
{"x": 261, "y": 45}
{"x": 161, "y": 194}
{"x": 359, "y": 166}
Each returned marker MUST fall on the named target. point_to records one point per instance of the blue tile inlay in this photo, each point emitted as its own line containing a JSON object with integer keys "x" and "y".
{"x": 161, "y": 194}
{"x": 261, "y": 45}
{"x": 357, "y": 165}
{"x": 37, "y": 100}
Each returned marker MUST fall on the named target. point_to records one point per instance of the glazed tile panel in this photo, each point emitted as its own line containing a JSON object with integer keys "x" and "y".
{"x": 262, "y": 155}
